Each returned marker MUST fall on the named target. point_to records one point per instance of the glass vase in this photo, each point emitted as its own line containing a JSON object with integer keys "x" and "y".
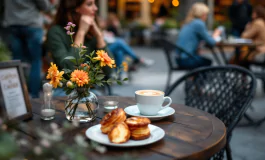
{"x": 81, "y": 105}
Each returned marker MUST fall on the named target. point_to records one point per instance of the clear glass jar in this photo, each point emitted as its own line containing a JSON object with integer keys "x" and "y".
{"x": 81, "y": 105}
{"x": 47, "y": 109}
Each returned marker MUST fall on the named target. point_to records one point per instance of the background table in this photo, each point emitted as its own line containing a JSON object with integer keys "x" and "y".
{"x": 190, "y": 133}
{"x": 251, "y": 46}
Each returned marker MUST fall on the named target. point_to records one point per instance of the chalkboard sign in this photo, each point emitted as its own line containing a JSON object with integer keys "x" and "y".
{"x": 14, "y": 99}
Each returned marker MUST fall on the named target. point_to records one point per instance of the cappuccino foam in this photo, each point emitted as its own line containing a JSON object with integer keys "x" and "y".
{"x": 149, "y": 93}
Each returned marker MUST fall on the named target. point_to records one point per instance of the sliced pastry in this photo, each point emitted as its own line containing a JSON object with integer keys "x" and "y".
{"x": 115, "y": 116}
{"x": 120, "y": 133}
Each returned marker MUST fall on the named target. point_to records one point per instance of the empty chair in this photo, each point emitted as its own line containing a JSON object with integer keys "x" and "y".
{"x": 224, "y": 91}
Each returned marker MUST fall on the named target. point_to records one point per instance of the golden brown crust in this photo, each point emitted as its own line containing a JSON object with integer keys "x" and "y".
{"x": 140, "y": 133}
{"x": 142, "y": 137}
{"x": 107, "y": 122}
{"x": 137, "y": 121}
{"x": 119, "y": 133}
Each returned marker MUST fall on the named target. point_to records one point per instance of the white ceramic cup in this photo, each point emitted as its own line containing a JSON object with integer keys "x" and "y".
{"x": 149, "y": 102}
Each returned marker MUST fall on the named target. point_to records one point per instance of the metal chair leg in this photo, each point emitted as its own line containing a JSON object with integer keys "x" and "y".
{"x": 168, "y": 80}
{"x": 228, "y": 151}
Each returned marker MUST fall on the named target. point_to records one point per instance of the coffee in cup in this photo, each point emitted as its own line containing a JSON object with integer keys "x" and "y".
{"x": 149, "y": 102}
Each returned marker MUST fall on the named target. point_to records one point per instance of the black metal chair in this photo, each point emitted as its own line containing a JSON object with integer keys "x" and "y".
{"x": 259, "y": 75}
{"x": 224, "y": 91}
{"x": 170, "y": 48}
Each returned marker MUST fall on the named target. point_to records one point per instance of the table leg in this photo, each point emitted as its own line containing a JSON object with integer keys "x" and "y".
{"x": 223, "y": 54}
{"x": 215, "y": 56}
{"x": 249, "y": 53}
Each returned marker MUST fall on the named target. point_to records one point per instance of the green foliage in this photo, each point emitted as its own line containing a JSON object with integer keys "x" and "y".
{"x": 5, "y": 54}
{"x": 227, "y": 24}
{"x": 8, "y": 146}
{"x": 170, "y": 23}
{"x": 46, "y": 145}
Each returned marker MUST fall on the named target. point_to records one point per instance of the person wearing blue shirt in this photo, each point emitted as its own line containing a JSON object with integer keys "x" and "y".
{"x": 193, "y": 32}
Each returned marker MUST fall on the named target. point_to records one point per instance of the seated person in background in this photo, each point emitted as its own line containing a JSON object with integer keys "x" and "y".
{"x": 82, "y": 13}
{"x": 255, "y": 30}
{"x": 114, "y": 25}
{"x": 161, "y": 18}
{"x": 117, "y": 46}
{"x": 192, "y": 33}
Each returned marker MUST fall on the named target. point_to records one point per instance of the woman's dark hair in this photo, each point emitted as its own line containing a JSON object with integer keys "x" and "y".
{"x": 67, "y": 12}
{"x": 260, "y": 11}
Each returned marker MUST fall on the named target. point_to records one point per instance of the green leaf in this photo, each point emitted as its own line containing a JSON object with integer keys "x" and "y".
{"x": 94, "y": 61}
{"x": 74, "y": 61}
{"x": 70, "y": 57}
{"x": 99, "y": 83}
{"x": 81, "y": 60}
{"x": 92, "y": 53}
{"x": 119, "y": 82}
{"x": 109, "y": 83}
{"x": 100, "y": 76}
{"x": 82, "y": 52}
{"x": 125, "y": 79}
{"x": 88, "y": 56}
{"x": 67, "y": 70}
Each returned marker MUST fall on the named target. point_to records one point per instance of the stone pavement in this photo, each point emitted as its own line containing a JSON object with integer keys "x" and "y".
{"x": 247, "y": 143}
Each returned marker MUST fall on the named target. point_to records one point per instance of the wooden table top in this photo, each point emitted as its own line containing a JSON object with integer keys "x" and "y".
{"x": 190, "y": 133}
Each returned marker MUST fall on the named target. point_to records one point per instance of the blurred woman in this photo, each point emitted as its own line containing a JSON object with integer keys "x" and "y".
{"x": 82, "y": 13}
{"x": 192, "y": 33}
{"x": 255, "y": 29}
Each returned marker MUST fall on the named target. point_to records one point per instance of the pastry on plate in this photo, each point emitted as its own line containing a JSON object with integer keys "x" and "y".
{"x": 115, "y": 116}
{"x": 119, "y": 133}
{"x": 138, "y": 127}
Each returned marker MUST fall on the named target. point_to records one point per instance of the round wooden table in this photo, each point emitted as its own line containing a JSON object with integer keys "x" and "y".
{"x": 190, "y": 133}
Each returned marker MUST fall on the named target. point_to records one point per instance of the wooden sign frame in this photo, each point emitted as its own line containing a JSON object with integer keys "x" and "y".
{"x": 14, "y": 97}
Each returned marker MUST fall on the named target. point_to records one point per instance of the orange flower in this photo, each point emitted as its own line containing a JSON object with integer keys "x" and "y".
{"x": 85, "y": 65}
{"x": 54, "y": 75}
{"x": 104, "y": 59}
{"x": 125, "y": 66}
{"x": 80, "y": 77}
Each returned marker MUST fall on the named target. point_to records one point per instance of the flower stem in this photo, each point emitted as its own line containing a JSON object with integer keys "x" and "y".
{"x": 75, "y": 106}
{"x": 90, "y": 112}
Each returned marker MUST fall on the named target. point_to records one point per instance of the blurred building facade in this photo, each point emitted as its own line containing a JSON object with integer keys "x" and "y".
{"x": 145, "y": 11}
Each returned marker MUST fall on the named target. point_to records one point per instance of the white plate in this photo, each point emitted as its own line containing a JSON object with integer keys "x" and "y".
{"x": 94, "y": 133}
{"x": 134, "y": 111}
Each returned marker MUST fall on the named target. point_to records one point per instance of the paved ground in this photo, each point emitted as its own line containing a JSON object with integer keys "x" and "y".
{"x": 248, "y": 143}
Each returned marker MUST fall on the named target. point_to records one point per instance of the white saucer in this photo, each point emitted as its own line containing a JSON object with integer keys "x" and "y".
{"x": 134, "y": 111}
{"x": 94, "y": 133}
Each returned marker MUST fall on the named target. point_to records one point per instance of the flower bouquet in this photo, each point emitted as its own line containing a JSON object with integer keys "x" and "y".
{"x": 82, "y": 104}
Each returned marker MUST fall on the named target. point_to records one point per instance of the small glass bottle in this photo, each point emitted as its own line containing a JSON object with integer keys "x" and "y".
{"x": 47, "y": 109}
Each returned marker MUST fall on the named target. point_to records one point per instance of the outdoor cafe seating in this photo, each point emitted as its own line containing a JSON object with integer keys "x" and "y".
{"x": 216, "y": 99}
{"x": 224, "y": 91}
